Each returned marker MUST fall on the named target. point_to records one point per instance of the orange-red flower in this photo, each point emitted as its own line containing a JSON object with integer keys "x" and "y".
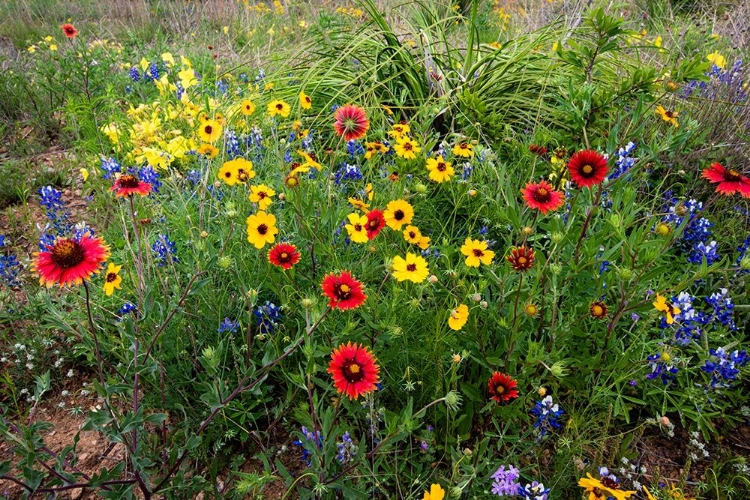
{"x": 730, "y": 181}
{"x": 351, "y": 122}
{"x": 521, "y": 258}
{"x": 598, "y": 309}
{"x": 283, "y": 255}
{"x": 542, "y": 196}
{"x": 587, "y": 168}
{"x": 354, "y": 370}
{"x": 128, "y": 185}
{"x": 375, "y": 222}
{"x": 502, "y": 387}
{"x": 70, "y": 260}
{"x": 69, "y": 30}
{"x": 343, "y": 291}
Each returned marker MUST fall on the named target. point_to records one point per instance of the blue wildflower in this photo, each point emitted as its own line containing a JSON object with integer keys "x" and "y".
{"x": 661, "y": 368}
{"x": 724, "y": 366}
{"x": 135, "y": 75}
{"x": 110, "y": 167}
{"x": 533, "y": 491}
{"x": 346, "y": 449}
{"x": 268, "y": 315}
{"x": 164, "y": 250}
{"x": 547, "y": 415}
{"x": 229, "y": 326}
{"x": 307, "y": 440}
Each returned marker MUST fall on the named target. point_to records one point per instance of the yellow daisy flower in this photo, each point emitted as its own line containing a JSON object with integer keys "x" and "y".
{"x": 279, "y": 107}
{"x": 262, "y": 194}
{"x": 413, "y": 268}
{"x": 407, "y": 148}
{"x": 112, "y": 279}
{"x": 210, "y": 131}
{"x": 668, "y": 116}
{"x": 304, "y": 101}
{"x": 463, "y": 149}
{"x": 397, "y": 213}
{"x": 247, "y": 107}
{"x": 458, "y": 318}
{"x": 476, "y": 252}
{"x": 440, "y": 170}
{"x": 261, "y": 229}
{"x": 357, "y": 228}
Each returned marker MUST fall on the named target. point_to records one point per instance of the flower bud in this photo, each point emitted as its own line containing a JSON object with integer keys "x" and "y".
{"x": 452, "y": 399}
{"x": 664, "y": 421}
{"x": 527, "y": 231}
{"x": 625, "y": 273}
{"x": 665, "y": 356}
{"x": 555, "y": 269}
{"x": 472, "y": 192}
{"x": 542, "y": 391}
{"x": 662, "y": 229}
{"x": 307, "y": 302}
{"x": 456, "y": 492}
{"x": 420, "y": 188}
{"x": 225, "y": 262}
{"x": 745, "y": 262}
{"x": 557, "y": 237}
{"x": 483, "y": 304}
{"x": 204, "y": 234}
{"x": 282, "y": 196}
{"x": 476, "y": 297}
{"x": 456, "y": 358}
{"x": 432, "y": 279}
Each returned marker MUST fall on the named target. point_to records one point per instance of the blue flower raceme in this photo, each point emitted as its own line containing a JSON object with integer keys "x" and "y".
{"x": 109, "y": 167}
{"x": 623, "y": 161}
{"x": 346, "y": 449}
{"x": 308, "y": 440}
{"x": 724, "y": 367}
{"x": 229, "y": 326}
{"x": 268, "y": 315}
{"x": 661, "y": 367}
{"x": 165, "y": 250}
{"x": 9, "y": 267}
{"x": 533, "y": 491}
{"x": 548, "y": 415}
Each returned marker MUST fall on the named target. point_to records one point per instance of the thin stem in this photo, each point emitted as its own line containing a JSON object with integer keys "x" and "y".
{"x": 138, "y": 256}
{"x": 513, "y": 325}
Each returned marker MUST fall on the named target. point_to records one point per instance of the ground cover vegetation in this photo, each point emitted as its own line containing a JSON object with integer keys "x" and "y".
{"x": 414, "y": 250}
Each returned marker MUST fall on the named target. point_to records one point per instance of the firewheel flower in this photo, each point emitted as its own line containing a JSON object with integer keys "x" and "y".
{"x": 542, "y": 197}
{"x": 343, "y": 291}
{"x": 354, "y": 370}
{"x": 261, "y": 229}
{"x": 587, "y": 168}
{"x": 69, "y": 30}
{"x": 112, "y": 279}
{"x": 598, "y": 309}
{"x": 413, "y": 268}
{"x": 70, "y": 260}
{"x": 662, "y": 305}
{"x": 458, "y": 317}
{"x": 350, "y": 122}
{"x": 397, "y": 213}
{"x": 283, "y": 255}
{"x": 476, "y": 253}
{"x": 729, "y": 181}
{"x": 129, "y": 184}
{"x": 502, "y": 388}
{"x": 521, "y": 258}
{"x": 375, "y": 223}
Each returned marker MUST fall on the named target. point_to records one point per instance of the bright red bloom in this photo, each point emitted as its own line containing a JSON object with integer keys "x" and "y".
{"x": 354, "y": 370}
{"x": 351, "y": 122}
{"x": 521, "y": 258}
{"x": 283, "y": 255}
{"x": 69, "y": 260}
{"x": 502, "y": 388}
{"x": 587, "y": 168}
{"x": 730, "y": 181}
{"x": 542, "y": 196}
{"x": 69, "y": 30}
{"x": 375, "y": 222}
{"x": 128, "y": 185}
{"x": 343, "y": 291}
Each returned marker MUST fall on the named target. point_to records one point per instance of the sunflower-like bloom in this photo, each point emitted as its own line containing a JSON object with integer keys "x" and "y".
{"x": 397, "y": 213}
{"x": 236, "y": 171}
{"x": 343, "y": 291}
{"x": 357, "y": 228}
{"x": 521, "y": 258}
{"x": 414, "y": 236}
{"x": 598, "y": 490}
{"x": 407, "y": 148}
{"x": 587, "y": 168}
{"x": 436, "y": 493}
{"x": 440, "y": 170}
{"x": 112, "y": 279}
{"x": 463, "y": 149}
{"x": 662, "y": 305}
{"x": 458, "y": 317}
{"x": 262, "y": 195}
{"x": 304, "y": 101}
{"x": 261, "y": 229}
{"x": 350, "y": 122}
{"x": 476, "y": 252}
{"x": 413, "y": 268}
{"x": 502, "y": 388}
{"x": 69, "y": 30}
{"x": 668, "y": 116}
{"x": 210, "y": 131}
{"x": 354, "y": 370}
{"x": 542, "y": 196}
{"x": 729, "y": 181}
{"x": 278, "y": 108}
{"x": 247, "y": 107}
{"x": 70, "y": 261}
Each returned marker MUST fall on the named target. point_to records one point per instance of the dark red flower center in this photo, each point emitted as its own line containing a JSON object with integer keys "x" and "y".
{"x": 732, "y": 176}
{"x": 342, "y": 291}
{"x": 128, "y": 181}
{"x": 228, "y": 174}
{"x": 411, "y": 267}
{"x": 374, "y": 223}
{"x": 208, "y": 129}
{"x": 308, "y": 100}
{"x": 352, "y": 371}
{"x": 111, "y": 277}
{"x": 261, "y": 194}
{"x": 541, "y": 195}
{"x": 398, "y": 214}
{"x": 441, "y": 166}
{"x": 284, "y": 257}
{"x": 464, "y": 146}
{"x": 412, "y": 235}
{"x": 669, "y": 114}
{"x": 279, "y": 106}
{"x": 610, "y": 483}
{"x": 262, "y": 229}
{"x": 67, "y": 253}
{"x": 407, "y": 146}
{"x": 242, "y": 175}
{"x": 478, "y": 252}
{"x": 358, "y": 227}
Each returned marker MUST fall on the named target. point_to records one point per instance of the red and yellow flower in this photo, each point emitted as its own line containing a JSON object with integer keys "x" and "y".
{"x": 350, "y": 122}
{"x": 587, "y": 168}
{"x": 354, "y": 370}
{"x": 542, "y": 196}
{"x": 729, "y": 181}
{"x": 129, "y": 184}
{"x": 502, "y": 388}
{"x": 343, "y": 291}
{"x": 70, "y": 261}
{"x": 283, "y": 255}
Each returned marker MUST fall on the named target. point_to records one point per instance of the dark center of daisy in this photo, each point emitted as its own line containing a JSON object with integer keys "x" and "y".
{"x": 412, "y": 235}
{"x": 343, "y": 291}
{"x": 262, "y": 229}
{"x": 441, "y": 166}
{"x": 407, "y": 146}
{"x": 128, "y": 181}
{"x": 669, "y": 114}
{"x": 352, "y": 372}
{"x": 279, "y": 106}
{"x": 610, "y": 483}
{"x": 478, "y": 252}
{"x": 732, "y": 176}
{"x": 464, "y": 145}
{"x": 398, "y": 214}
{"x": 242, "y": 174}
{"x": 587, "y": 169}
{"x": 261, "y": 194}
{"x": 398, "y": 129}
{"x": 228, "y": 174}
{"x": 411, "y": 267}
{"x": 541, "y": 195}
{"x": 67, "y": 253}
{"x": 358, "y": 227}
{"x": 111, "y": 277}
{"x": 208, "y": 129}
{"x": 499, "y": 389}
{"x": 307, "y": 100}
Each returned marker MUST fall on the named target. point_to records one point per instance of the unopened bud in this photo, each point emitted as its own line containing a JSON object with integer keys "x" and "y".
{"x": 472, "y": 192}
{"x": 432, "y": 279}
{"x": 483, "y": 304}
{"x": 542, "y": 391}
{"x": 476, "y": 297}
